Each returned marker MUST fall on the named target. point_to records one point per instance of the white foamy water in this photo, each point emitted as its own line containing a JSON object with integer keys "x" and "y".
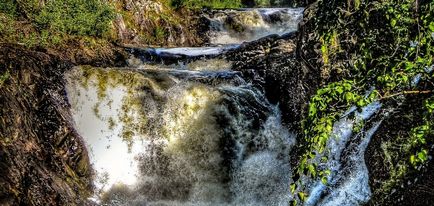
{"x": 353, "y": 189}
{"x": 111, "y": 157}
{"x": 194, "y": 51}
{"x": 238, "y": 26}
{"x": 184, "y": 155}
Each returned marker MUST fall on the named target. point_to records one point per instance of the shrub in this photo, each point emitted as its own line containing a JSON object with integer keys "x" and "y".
{"x": 76, "y": 17}
{"x": 262, "y": 3}
{"x": 8, "y": 7}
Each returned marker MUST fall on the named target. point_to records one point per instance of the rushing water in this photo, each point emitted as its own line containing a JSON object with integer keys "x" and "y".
{"x": 209, "y": 143}
{"x": 196, "y": 133}
{"x": 233, "y": 27}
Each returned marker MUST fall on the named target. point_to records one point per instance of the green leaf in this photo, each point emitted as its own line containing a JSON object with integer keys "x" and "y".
{"x": 412, "y": 159}
{"x": 302, "y": 196}
{"x": 311, "y": 169}
{"x": 431, "y": 26}
{"x": 361, "y": 103}
{"x": 324, "y": 180}
{"x": 349, "y": 96}
{"x": 422, "y": 155}
{"x": 409, "y": 66}
{"x": 393, "y": 22}
{"x": 324, "y": 159}
{"x": 312, "y": 110}
{"x": 340, "y": 90}
{"x": 293, "y": 188}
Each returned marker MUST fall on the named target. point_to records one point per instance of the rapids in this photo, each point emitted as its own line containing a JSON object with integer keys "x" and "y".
{"x": 197, "y": 133}
{"x": 235, "y": 26}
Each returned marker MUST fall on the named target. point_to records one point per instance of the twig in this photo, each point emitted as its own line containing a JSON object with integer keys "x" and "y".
{"x": 405, "y": 93}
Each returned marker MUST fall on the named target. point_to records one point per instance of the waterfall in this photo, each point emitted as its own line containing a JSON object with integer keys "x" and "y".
{"x": 235, "y": 26}
{"x": 346, "y": 185}
{"x": 196, "y": 133}
{"x": 182, "y": 142}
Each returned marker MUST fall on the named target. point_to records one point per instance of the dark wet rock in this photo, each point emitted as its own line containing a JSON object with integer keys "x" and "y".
{"x": 139, "y": 22}
{"x": 150, "y": 55}
{"x": 43, "y": 160}
{"x": 394, "y": 131}
{"x": 272, "y": 63}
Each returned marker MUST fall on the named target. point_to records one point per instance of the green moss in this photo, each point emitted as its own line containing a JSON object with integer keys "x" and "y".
{"x": 213, "y": 4}
{"x": 4, "y": 77}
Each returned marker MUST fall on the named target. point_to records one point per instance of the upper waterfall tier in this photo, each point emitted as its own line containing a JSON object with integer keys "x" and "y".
{"x": 238, "y": 26}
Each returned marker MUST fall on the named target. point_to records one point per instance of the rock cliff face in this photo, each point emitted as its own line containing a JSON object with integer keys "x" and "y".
{"x": 43, "y": 160}
{"x": 417, "y": 187}
{"x": 272, "y": 63}
{"x": 150, "y": 22}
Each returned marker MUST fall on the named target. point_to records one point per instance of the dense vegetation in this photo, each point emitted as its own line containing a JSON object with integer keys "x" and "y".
{"x": 385, "y": 45}
{"x": 51, "y": 23}
{"x": 30, "y": 23}
{"x": 37, "y": 23}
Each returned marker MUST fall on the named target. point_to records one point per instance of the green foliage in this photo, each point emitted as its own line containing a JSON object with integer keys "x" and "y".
{"x": 28, "y": 8}
{"x": 76, "y": 17}
{"x": 8, "y": 7}
{"x": 323, "y": 112}
{"x": 409, "y": 153}
{"x": 385, "y": 44}
{"x": 419, "y": 136}
{"x": 54, "y": 22}
{"x": 159, "y": 33}
{"x": 262, "y": 3}
{"x": 213, "y": 4}
{"x": 6, "y": 25}
{"x": 4, "y": 77}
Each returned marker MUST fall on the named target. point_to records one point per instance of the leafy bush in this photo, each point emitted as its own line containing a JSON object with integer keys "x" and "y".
{"x": 8, "y": 7}
{"x": 76, "y": 17}
{"x": 198, "y": 4}
{"x": 262, "y": 3}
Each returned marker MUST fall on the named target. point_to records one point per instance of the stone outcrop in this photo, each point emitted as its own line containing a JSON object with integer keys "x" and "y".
{"x": 272, "y": 63}
{"x": 150, "y": 22}
{"x": 43, "y": 160}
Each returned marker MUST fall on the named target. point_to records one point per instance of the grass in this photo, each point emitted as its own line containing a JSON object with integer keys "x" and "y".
{"x": 76, "y": 17}
{"x": 26, "y": 22}
{"x": 212, "y": 4}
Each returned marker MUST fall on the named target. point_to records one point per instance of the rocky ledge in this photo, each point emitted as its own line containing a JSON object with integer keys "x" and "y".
{"x": 43, "y": 160}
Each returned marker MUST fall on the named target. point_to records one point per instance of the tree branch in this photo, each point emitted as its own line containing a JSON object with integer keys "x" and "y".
{"x": 406, "y": 93}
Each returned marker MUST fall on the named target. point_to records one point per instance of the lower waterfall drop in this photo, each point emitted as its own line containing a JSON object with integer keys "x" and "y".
{"x": 185, "y": 137}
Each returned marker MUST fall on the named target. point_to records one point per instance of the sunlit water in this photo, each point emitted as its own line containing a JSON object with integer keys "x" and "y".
{"x": 234, "y": 27}
{"x": 208, "y": 145}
